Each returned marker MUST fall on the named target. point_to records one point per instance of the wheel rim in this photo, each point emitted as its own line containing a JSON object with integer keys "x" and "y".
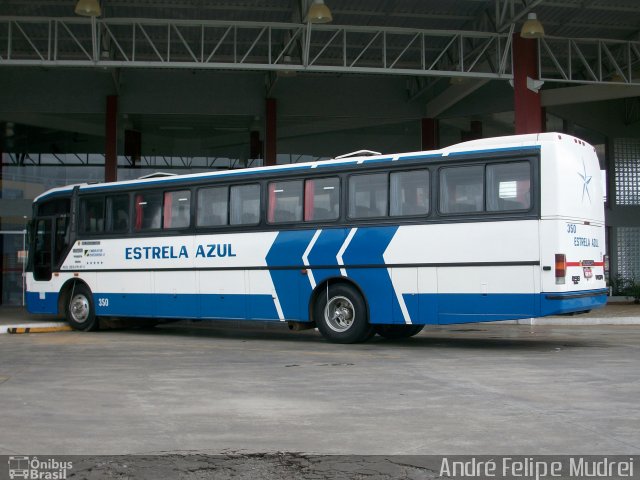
{"x": 339, "y": 314}
{"x": 79, "y": 308}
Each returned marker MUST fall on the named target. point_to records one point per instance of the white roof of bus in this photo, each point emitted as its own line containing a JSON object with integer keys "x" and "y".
{"x": 481, "y": 144}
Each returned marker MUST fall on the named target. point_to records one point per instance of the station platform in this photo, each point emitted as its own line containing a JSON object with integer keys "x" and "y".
{"x": 18, "y": 320}
{"x": 616, "y": 312}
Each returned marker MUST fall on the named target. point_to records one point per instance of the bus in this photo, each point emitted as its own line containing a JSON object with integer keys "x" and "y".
{"x": 494, "y": 229}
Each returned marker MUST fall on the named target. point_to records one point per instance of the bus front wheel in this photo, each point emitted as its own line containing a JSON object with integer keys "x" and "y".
{"x": 341, "y": 315}
{"x": 395, "y": 332}
{"x": 79, "y": 310}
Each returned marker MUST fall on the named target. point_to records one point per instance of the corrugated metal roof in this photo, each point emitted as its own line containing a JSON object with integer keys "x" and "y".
{"x": 614, "y": 19}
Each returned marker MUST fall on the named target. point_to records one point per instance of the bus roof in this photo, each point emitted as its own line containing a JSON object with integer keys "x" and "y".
{"x": 505, "y": 143}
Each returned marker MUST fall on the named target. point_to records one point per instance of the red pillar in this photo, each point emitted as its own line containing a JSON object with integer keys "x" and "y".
{"x": 111, "y": 143}
{"x": 270, "y": 139}
{"x": 430, "y": 134}
{"x": 527, "y": 106}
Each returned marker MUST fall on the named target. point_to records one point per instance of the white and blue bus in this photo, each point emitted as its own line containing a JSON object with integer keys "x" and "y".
{"x": 494, "y": 229}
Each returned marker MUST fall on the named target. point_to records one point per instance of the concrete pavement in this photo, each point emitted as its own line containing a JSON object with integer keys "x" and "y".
{"x": 249, "y": 389}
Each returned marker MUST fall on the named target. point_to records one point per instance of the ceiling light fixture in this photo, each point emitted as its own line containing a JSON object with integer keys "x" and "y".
{"x": 88, "y": 8}
{"x": 532, "y": 28}
{"x": 319, "y": 13}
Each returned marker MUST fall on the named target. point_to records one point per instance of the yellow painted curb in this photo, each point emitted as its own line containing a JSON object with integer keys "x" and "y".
{"x": 35, "y": 329}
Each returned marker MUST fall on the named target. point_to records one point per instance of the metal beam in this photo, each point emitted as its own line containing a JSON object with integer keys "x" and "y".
{"x": 57, "y": 122}
{"x": 229, "y": 45}
{"x": 589, "y": 61}
{"x": 451, "y": 96}
{"x": 506, "y": 13}
{"x": 195, "y": 44}
{"x": 586, "y": 93}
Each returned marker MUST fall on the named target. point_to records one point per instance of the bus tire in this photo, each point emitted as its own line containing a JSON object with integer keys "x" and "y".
{"x": 79, "y": 310}
{"x": 395, "y": 332}
{"x": 341, "y": 315}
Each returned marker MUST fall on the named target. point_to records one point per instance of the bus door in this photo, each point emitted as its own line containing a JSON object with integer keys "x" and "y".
{"x": 51, "y": 240}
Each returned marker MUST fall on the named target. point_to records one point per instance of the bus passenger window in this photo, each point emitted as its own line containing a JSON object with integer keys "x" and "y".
{"x": 508, "y": 186}
{"x": 148, "y": 210}
{"x": 118, "y": 213}
{"x": 321, "y": 199}
{"x": 92, "y": 215}
{"x": 410, "y": 193}
{"x": 177, "y": 209}
{"x": 368, "y": 195}
{"x": 245, "y": 205}
{"x": 462, "y": 189}
{"x": 285, "y": 202}
{"x": 213, "y": 207}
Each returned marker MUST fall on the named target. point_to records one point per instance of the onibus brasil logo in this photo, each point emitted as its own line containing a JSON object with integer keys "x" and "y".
{"x": 35, "y": 469}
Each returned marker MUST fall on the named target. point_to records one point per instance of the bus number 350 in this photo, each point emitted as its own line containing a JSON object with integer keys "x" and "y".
{"x": 103, "y": 302}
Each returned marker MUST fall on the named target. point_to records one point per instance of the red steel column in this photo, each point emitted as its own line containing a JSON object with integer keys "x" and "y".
{"x": 270, "y": 137}
{"x": 527, "y": 106}
{"x": 111, "y": 143}
{"x": 430, "y": 129}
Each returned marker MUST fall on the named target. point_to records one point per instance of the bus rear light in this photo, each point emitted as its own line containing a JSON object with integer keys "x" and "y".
{"x": 561, "y": 268}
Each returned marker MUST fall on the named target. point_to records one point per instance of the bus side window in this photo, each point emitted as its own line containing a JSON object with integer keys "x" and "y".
{"x": 118, "y": 213}
{"x": 368, "y": 195}
{"x": 322, "y": 199}
{"x": 410, "y": 193}
{"x": 213, "y": 207}
{"x": 177, "y": 209}
{"x": 462, "y": 189}
{"x": 148, "y": 209}
{"x": 92, "y": 215}
{"x": 285, "y": 202}
{"x": 508, "y": 186}
{"x": 245, "y": 204}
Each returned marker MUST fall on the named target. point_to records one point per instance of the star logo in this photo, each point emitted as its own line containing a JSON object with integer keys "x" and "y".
{"x": 586, "y": 180}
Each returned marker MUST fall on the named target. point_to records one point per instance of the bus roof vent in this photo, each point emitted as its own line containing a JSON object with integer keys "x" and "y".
{"x": 359, "y": 153}
{"x": 157, "y": 175}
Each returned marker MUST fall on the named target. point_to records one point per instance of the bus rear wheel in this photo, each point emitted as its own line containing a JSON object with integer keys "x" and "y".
{"x": 395, "y": 332}
{"x": 341, "y": 315}
{"x": 79, "y": 310}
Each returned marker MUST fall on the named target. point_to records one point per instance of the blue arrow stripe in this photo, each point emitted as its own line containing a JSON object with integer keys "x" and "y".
{"x": 367, "y": 248}
{"x": 292, "y": 288}
{"x": 324, "y": 253}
